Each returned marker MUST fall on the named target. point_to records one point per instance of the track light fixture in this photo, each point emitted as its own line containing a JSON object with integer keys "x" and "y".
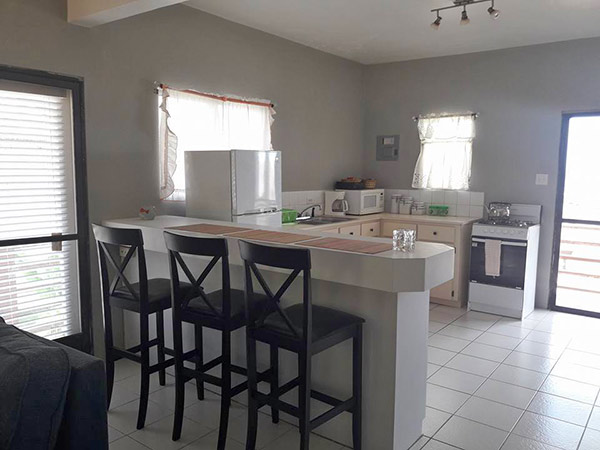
{"x": 464, "y": 17}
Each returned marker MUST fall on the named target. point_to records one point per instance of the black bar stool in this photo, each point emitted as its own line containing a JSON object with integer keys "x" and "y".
{"x": 303, "y": 328}
{"x": 148, "y": 296}
{"x": 221, "y": 310}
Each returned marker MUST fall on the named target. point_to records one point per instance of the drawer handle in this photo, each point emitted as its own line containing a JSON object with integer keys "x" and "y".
{"x": 372, "y": 229}
{"x": 435, "y": 233}
{"x": 352, "y": 233}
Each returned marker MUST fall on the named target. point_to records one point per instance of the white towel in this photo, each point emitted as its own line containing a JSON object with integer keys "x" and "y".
{"x": 493, "y": 254}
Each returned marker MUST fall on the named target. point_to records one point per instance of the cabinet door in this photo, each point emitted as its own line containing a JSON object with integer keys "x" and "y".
{"x": 370, "y": 229}
{"x": 352, "y": 230}
{"x": 444, "y": 291}
{"x": 387, "y": 228}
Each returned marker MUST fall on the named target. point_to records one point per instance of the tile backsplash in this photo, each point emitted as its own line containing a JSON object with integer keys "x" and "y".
{"x": 460, "y": 203}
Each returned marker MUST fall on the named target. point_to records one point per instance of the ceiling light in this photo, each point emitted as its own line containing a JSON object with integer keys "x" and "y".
{"x": 464, "y": 18}
{"x": 436, "y": 23}
{"x": 493, "y": 12}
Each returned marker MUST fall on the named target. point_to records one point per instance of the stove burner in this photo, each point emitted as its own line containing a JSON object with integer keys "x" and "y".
{"x": 506, "y": 223}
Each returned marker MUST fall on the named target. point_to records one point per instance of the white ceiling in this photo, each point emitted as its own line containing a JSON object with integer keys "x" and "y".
{"x": 379, "y": 31}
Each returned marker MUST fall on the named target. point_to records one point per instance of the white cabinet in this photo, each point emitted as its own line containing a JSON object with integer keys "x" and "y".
{"x": 352, "y": 230}
{"x": 370, "y": 229}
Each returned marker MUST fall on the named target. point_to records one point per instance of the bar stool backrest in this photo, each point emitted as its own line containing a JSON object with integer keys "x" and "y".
{"x": 187, "y": 245}
{"x": 107, "y": 239}
{"x": 295, "y": 259}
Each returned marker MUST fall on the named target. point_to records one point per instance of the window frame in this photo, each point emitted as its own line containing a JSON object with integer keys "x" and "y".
{"x": 83, "y": 340}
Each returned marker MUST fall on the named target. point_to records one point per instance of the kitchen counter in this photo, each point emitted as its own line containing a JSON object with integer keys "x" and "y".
{"x": 389, "y": 289}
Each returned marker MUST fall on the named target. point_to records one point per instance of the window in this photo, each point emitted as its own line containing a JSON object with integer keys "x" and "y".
{"x": 44, "y": 247}
{"x": 446, "y": 151}
{"x": 191, "y": 121}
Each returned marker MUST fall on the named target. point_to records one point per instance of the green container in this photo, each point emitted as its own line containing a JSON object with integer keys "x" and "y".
{"x": 438, "y": 210}
{"x": 288, "y": 215}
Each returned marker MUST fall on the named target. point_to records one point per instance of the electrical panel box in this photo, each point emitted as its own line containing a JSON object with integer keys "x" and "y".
{"x": 388, "y": 147}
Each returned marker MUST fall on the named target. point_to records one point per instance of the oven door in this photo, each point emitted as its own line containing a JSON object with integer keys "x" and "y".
{"x": 512, "y": 264}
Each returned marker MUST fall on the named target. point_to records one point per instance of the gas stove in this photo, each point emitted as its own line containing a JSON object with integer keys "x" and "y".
{"x": 518, "y": 226}
{"x": 507, "y": 223}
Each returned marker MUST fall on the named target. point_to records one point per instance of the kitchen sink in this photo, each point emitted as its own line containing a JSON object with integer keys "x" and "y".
{"x": 323, "y": 220}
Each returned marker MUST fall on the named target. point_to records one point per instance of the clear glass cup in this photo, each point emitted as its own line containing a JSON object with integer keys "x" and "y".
{"x": 404, "y": 240}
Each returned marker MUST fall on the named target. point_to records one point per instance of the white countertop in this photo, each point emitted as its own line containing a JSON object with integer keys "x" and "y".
{"x": 428, "y": 266}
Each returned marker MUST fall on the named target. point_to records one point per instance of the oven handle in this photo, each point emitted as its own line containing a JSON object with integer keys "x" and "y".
{"x": 512, "y": 244}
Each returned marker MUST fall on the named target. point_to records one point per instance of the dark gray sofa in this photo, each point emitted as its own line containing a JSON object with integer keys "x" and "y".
{"x": 52, "y": 397}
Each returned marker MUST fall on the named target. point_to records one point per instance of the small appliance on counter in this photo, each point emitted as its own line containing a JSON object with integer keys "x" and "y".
{"x": 242, "y": 186}
{"x": 364, "y": 201}
{"x": 504, "y": 254}
{"x": 335, "y": 203}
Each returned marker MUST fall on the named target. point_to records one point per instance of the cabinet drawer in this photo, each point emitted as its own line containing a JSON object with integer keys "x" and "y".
{"x": 352, "y": 230}
{"x": 387, "y": 229}
{"x": 435, "y": 233}
{"x": 370, "y": 229}
{"x": 444, "y": 291}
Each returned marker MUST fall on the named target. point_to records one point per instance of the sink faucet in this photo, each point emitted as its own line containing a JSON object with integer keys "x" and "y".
{"x": 312, "y": 212}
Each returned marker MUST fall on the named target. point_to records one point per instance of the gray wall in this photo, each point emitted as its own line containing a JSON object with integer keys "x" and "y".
{"x": 520, "y": 94}
{"x": 318, "y": 96}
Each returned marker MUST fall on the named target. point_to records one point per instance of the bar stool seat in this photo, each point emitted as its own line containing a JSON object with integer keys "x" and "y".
{"x": 325, "y": 321}
{"x": 159, "y": 295}
{"x": 215, "y": 298}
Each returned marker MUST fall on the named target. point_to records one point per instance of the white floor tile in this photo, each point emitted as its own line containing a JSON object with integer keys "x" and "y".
{"x": 508, "y": 394}
{"x": 531, "y": 362}
{"x": 472, "y": 365}
{"x": 516, "y": 442}
{"x": 581, "y": 358}
{"x": 417, "y": 445}
{"x": 476, "y": 321}
{"x": 560, "y": 408}
{"x": 549, "y": 431}
{"x": 486, "y": 352}
{"x": 595, "y": 419}
{"x": 529, "y": 324}
{"x": 450, "y": 310}
{"x": 490, "y": 413}
{"x": 208, "y": 411}
{"x": 506, "y": 330}
{"x": 291, "y": 440}
{"x": 498, "y": 340}
{"x": 469, "y": 435}
{"x": 591, "y": 440}
{"x": 165, "y": 397}
{"x": 267, "y": 430}
{"x": 444, "y": 399}
{"x": 124, "y": 418}
{"x": 157, "y": 436}
{"x": 434, "y": 419}
{"x": 432, "y": 368}
{"x": 548, "y": 338}
{"x": 529, "y": 379}
{"x": 126, "y": 443}
{"x": 437, "y": 445}
{"x": 585, "y": 344}
{"x": 125, "y": 368}
{"x": 576, "y": 372}
{"x": 133, "y": 382}
{"x": 539, "y": 349}
{"x": 460, "y": 332}
{"x": 439, "y": 356}
{"x": 437, "y": 315}
{"x": 114, "y": 434}
{"x": 434, "y": 326}
{"x": 210, "y": 441}
{"x": 459, "y": 381}
{"x": 447, "y": 342}
{"x": 574, "y": 390}
{"x": 122, "y": 394}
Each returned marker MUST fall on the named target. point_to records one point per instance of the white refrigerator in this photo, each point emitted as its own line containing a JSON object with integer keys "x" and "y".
{"x": 242, "y": 186}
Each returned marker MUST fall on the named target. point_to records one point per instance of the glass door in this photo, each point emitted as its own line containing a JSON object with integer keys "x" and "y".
{"x": 576, "y": 255}
{"x": 44, "y": 238}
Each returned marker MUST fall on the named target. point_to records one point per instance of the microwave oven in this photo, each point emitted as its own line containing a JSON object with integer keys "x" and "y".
{"x": 365, "y": 201}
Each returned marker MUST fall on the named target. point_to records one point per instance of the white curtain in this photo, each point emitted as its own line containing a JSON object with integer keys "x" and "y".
{"x": 446, "y": 152}
{"x": 192, "y": 122}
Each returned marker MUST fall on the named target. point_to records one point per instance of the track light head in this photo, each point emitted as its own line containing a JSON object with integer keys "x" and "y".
{"x": 436, "y": 23}
{"x": 493, "y": 12}
{"x": 464, "y": 18}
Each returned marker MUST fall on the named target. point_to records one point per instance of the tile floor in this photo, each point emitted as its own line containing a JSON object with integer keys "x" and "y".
{"x": 493, "y": 383}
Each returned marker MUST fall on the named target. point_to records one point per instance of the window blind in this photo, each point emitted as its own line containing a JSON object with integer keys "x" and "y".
{"x": 38, "y": 284}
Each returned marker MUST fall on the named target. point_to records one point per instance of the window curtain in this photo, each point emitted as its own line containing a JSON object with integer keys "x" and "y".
{"x": 446, "y": 152}
{"x": 192, "y": 122}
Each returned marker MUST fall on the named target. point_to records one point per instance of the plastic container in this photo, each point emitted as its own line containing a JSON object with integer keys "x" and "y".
{"x": 288, "y": 215}
{"x": 438, "y": 210}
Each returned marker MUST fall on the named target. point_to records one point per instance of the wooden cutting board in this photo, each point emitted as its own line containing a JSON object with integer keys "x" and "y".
{"x": 208, "y": 228}
{"x": 349, "y": 245}
{"x": 273, "y": 236}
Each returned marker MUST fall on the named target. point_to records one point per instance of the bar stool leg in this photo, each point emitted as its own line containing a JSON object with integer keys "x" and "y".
{"x": 252, "y": 386}
{"x": 145, "y": 379}
{"x": 110, "y": 362}
{"x": 225, "y": 388}
{"x": 357, "y": 388}
{"x": 304, "y": 369}
{"x": 274, "y": 381}
{"x": 179, "y": 377}
{"x": 160, "y": 334}
{"x": 199, "y": 360}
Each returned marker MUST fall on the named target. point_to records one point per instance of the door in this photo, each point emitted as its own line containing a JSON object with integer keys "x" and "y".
{"x": 575, "y": 281}
{"x": 44, "y": 238}
{"x": 256, "y": 181}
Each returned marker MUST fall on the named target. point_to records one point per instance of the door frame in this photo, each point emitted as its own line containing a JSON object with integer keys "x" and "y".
{"x": 558, "y": 212}
{"x": 82, "y": 341}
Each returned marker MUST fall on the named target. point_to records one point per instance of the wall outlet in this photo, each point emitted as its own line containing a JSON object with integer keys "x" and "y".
{"x": 541, "y": 179}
